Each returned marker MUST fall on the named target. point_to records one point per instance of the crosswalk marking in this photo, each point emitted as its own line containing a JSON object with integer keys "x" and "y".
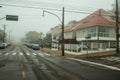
{"x": 21, "y": 53}
{"x": 47, "y": 54}
{"x": 6, "y": 53}
{"x": 14, "y": 53}
{"x": 27, "y": 53}
{"x": 112, "y": 58}
{"x": 40, "y": 54}
{"x": 34, "y": 54}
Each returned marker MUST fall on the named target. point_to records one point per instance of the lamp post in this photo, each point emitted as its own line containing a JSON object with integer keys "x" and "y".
{"x": 87, "y": 37}
{"x": 62, "y": 22}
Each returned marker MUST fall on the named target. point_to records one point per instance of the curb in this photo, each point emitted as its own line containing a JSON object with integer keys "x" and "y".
{"x": 98, "y": 64}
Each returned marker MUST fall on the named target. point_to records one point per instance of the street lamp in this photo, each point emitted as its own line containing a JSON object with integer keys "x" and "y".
{"x": 52, "y": 14}
{"x": 62, "y": 22}
{"x": 87, "y": 37}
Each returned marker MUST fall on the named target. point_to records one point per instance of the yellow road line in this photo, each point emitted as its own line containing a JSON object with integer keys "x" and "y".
{"x": 23, "y": 74}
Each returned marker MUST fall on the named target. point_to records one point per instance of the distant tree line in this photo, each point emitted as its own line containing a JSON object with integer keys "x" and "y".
{"x": 38, "y": 38}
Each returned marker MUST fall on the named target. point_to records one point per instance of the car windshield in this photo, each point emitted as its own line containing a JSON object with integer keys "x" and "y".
{"x": 35, "y": 45}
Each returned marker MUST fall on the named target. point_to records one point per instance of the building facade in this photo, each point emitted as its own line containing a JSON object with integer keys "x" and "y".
{"x": 96, "y": 32}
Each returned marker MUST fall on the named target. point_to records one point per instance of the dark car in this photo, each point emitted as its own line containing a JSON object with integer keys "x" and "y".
{"x": 35, "y": 46}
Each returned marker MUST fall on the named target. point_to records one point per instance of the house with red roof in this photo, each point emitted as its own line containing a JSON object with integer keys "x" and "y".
{"x": 95, "y": 32}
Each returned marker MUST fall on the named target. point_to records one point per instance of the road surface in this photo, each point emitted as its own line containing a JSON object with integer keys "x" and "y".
{"x": 22, "y": 63}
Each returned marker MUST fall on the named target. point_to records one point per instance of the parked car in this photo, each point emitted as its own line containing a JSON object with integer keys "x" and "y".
{"x": 3, "y": 45}
{"x": 35, "y": 46}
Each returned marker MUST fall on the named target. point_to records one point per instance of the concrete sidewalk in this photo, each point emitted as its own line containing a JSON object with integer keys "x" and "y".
{"x": 103, "y": 58}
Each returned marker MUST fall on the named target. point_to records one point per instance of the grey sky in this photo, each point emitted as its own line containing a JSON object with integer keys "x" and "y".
{"x": 31, "y": 19}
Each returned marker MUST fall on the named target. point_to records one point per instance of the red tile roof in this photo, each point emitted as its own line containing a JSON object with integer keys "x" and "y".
{"x": 96, "y": 18}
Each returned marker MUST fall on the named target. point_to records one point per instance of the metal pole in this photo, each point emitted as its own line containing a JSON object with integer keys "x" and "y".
{"x": 87, "y": 47}
{"x": 52, "y": 14}
{"x": 63, "y": 54}
{"x": 4, "y": 26}
{"x": 117, "y": 28}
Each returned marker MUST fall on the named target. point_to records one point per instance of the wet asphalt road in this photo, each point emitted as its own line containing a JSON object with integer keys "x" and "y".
{"x": 22, "y": 63}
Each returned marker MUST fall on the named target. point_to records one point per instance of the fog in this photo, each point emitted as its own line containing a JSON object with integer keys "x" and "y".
{"x": 30, "y": 14}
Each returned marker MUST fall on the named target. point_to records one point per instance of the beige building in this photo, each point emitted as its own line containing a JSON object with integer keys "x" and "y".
{"x": 96, "y": 32}
{"x": 56, "y": 34}
{"x": 100, "y": 29}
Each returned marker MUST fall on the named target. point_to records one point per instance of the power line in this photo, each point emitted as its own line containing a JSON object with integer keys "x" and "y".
{"x": 47, "y": 3}
{"x": 73, "y": 11}
{"x": 76, "y": 7}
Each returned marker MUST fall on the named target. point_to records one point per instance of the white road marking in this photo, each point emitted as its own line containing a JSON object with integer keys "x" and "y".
{"x": 112, "y": 58}
{"x": 6, "y": 53}
{"x": 0, "y": 53}
{"x": 47, "y": 54}
{"x": 21, "y": 53}
{"x": 14, "y": 53}
{"x": 41, "y": 54}
{"x": 98, "y": 64}
{"x": 34, "y": 54}
{"x": 27, "y": 53}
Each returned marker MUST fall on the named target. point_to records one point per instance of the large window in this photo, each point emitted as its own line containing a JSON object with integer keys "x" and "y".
{"x": 103, "y": 31}
{"x": 92, "y": 31}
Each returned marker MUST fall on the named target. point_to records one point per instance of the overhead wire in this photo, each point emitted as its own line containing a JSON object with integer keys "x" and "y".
{"x": 22, "y": 6}
{"x": 68, "y": 6}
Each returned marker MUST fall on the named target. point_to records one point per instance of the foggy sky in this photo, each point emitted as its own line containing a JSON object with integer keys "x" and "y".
{"x": 31, "y": 19}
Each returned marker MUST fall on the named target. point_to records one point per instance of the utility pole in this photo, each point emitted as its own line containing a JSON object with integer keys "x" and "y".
{"x": 63, "y": 54}
{"x": 117, "y": 27}
{"x": 4, "y": 27}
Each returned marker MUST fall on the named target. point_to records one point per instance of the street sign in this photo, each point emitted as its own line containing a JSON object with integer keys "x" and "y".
{"x": 12, "y": 17}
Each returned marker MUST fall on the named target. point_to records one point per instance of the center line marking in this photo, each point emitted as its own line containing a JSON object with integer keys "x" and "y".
{"x": 23, "y": 74}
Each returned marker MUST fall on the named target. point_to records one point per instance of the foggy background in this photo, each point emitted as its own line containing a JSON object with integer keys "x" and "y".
{"x": 30, "y": 14}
